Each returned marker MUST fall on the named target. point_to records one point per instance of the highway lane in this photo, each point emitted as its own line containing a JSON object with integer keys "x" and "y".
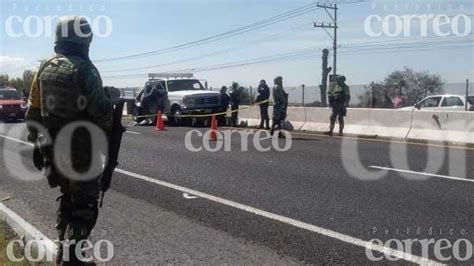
{"x": 308, "y": 183}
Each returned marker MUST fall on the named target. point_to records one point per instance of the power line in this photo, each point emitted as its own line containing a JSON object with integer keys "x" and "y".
{"x": 397, "y": 42}
{"x": 289, "y": 54}
{"x": 251, "y": 27}
{"x": 224, "y": 51}
{"x": 426, "y": 40}
{"x": 242, "y": 62}
{"x": 308, "y": 54}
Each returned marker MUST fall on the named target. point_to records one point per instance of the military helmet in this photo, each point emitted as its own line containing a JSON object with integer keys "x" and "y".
{"x": 278, "y": 79}
{"x": 73, "y": 29}
{"x": 341, "y": 78}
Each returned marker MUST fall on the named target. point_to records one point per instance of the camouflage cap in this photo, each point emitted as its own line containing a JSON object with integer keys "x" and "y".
{"x": 74, "y": 29}
{"x": 278, "y": 79}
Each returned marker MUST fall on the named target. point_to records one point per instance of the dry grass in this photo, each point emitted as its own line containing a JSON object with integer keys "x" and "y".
{"x": 7, "y": 235}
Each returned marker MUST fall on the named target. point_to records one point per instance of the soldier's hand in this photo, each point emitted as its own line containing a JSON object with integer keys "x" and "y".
{"x": 38, "y": 160}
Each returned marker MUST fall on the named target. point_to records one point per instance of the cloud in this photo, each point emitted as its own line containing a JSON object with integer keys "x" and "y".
{"x": 14, "y": 66}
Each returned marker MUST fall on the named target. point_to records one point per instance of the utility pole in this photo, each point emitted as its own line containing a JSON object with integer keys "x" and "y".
{"x": 467, "y": 92}
{"x": 330, "y": 25}
{"x": 371, "y": 104}
{"x": 302, "y": 96}
{"x": 251, "y": 95}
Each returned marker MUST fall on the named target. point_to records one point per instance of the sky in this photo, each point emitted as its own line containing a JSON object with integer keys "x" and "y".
{"x": 126, "y": 27}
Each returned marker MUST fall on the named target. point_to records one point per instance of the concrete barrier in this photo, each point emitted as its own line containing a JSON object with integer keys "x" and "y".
{"x": 452, "y": 126}
{"x": 443, "y": 126}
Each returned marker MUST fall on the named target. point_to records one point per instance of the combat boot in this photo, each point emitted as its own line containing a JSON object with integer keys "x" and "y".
{"x": 331, "y": 129}
{"x": 272, "y": 131}
{"x": 341, "y": 129}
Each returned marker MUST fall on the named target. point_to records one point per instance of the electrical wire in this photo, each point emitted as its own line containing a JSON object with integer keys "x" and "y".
{"x": 224, "y": 51}
{"x": 251, "y": 27}
{"x": 310, "y": 54}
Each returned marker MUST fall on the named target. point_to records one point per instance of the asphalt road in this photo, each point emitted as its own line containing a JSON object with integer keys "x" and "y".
{"x": 309, "y": 204}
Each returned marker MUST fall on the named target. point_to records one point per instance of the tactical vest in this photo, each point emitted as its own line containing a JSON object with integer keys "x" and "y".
{"x": 61, "y": 98}
{"x": 337, "y": 92}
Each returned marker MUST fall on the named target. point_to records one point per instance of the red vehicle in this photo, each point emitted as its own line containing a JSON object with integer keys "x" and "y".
{"x": 12, "y": 106}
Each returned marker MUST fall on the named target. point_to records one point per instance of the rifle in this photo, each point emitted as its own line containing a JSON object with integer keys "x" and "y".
{"x": 115, "y": 139}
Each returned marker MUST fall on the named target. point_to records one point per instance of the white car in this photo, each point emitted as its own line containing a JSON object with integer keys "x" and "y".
{"x": 446, "y": 102}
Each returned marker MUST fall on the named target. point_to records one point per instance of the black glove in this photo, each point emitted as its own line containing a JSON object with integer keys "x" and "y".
{"x": 38, "y": 159}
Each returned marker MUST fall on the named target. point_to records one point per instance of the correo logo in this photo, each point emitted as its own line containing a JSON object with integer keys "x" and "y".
{"x": 395, "y": 25}
{"x": 36, "y": 26}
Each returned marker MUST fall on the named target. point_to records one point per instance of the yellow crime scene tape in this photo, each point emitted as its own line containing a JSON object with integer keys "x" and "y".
{"x": 204, "y": 115}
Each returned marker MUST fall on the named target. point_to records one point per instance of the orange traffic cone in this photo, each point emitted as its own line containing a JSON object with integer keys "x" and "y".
{"x": 160, "y": 125}
{"x": 213, "y": 131}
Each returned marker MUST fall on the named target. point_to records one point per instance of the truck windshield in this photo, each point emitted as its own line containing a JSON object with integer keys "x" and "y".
{"x": 182, "y": 85}
{"x": 9, "y": 95}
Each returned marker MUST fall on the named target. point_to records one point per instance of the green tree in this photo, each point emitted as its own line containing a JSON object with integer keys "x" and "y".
{"x": 28, "y": 76}
{"x": 413, "y": 85}
{"x": 17, "y": 83}
{"x": 4, "y": 80}
{"x": 375, "y": 96}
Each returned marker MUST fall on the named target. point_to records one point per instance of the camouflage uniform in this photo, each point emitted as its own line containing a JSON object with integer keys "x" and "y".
{"x": 234, "y": 104}
{"x": 67, "y": 89}
{"x": 225, "y": 99}
{"x": 280, "y": 103}
{"x": 339, "y": 97}
{"x": 263, "y": 95}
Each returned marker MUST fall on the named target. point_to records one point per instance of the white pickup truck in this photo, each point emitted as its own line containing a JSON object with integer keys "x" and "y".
{"x": 185, "y": 96}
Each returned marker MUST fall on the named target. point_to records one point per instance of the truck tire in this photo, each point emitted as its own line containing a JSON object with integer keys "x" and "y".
{"x": 136, "y": 113}
{"x": 173, "y": 118}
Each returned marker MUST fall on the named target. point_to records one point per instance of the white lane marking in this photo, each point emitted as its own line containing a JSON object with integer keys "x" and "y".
{"x": 422, "y": 173}
{"x": 313, "y": 228}
{"x": 19, "y": 225}
{"x": 309, "y": 227}
{"x": 133, "y": 132}
{"x": 189, "y": 196}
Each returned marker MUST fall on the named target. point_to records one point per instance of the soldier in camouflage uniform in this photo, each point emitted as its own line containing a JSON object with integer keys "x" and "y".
{"x": 280, "y": 103}
{"x": 339, "y": 96}
{"x": 234, "y": 101}
{"x": 66, "y": 89}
